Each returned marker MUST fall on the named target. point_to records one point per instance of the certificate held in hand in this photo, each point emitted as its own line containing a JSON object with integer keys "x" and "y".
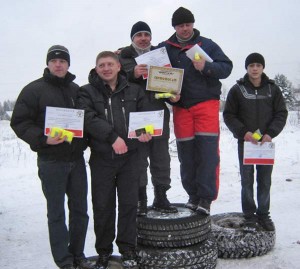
{"x": 197, "y": 50}
{"x": 262, "y": 154}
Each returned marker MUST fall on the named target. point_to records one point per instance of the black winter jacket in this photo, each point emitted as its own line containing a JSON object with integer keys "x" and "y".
{"x": 28, "y": 119}
{"x": 128, "y": 63}
{"x": 249, "y": 108}
{"x": 107, "y": 112}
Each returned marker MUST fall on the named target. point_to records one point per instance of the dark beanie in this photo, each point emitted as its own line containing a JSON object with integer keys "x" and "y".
{"x": 139, "y": 27}
{"x": 58, "y": 52}
{"x": 254, "y": 58}
{"x": 182, "y": 15}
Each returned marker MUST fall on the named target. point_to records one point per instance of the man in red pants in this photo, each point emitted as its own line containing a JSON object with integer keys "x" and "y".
{"x": 196, "y": 115}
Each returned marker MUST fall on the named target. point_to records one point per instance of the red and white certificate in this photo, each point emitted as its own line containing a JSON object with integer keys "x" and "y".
{"x": 263, "y": 154}
{"x": 66, "y": 118}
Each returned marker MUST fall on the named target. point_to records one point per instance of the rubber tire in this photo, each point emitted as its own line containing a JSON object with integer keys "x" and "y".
{"x": 172, "y": 230}
{"x": 235, "y": 243}
{"x": 199, "y": 256}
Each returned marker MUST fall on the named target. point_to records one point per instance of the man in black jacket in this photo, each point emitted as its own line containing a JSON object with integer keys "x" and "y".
{"x": 61, "y": 166}
{"x": 107, "y": 100}
{"x": 157, "y": 150}
{"x": 255, "y": 105}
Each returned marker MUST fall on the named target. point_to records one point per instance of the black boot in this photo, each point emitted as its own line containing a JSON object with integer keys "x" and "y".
{"x": 203, "y": 207}
{"x": 142, "y": 203}
{"x": 161, "y": 202}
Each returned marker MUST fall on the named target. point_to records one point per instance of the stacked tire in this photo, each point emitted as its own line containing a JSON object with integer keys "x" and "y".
{"x": 180, "y": 240}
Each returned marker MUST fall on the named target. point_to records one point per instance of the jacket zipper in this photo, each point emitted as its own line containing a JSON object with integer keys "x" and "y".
{"x": 111, "y": 113}
{"x": 124, "y": 115}
{"x": 257, "y": 112}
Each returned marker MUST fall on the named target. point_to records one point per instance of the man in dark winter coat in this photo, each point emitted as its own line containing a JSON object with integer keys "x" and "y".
{"x": 255, "y": 104}
{"x": 157, "y": 150}
{"x": 107, "y": 100}
{"x": 61, "y": 164}
{"x": 196, "y": 114}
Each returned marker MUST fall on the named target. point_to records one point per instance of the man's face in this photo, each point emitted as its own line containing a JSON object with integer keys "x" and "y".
{"x": 58, "y": 67}
{"x": 142, "y": 40}
{"x": 255, "y": 70}
{"x": 185, "y": 30}
{"x": 108, "y": 68}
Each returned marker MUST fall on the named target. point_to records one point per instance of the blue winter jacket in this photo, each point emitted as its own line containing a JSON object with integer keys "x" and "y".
{"x": 198, "y": 86}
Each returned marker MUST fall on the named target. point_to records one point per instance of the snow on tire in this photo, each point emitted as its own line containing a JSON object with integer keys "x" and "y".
{"x": 199, "y": 256}
{"x": 234, "y": 243}
{"x": 180, "y": 229}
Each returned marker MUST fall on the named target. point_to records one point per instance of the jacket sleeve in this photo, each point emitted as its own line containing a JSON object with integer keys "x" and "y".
{"x": 221, "y": 66}
{"x": 280, "y": 114}
{"x": 24, "y": 117}
{"x": 230, "y": 115}
{"x": 95, "y": 124}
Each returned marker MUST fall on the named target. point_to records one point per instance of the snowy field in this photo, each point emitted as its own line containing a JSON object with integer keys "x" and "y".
{"x": 23, "y": 223}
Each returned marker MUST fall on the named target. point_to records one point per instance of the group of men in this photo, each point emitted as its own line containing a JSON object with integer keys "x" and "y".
{"x": 118, "y": 164}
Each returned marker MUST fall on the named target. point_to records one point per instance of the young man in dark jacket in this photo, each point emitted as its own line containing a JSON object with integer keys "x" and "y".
{"x": 196, "y": 115}
{"x": 61, "y": 164}
{"x": 107, "y": 100}
{"x": 255, "y": 103}
{"x": 157, "y": 150}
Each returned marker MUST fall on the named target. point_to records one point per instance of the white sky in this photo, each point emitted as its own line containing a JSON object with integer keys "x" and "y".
{"x": 86, "y": 27}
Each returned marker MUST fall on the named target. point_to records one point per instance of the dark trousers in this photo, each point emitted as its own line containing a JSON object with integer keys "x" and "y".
{"x": 199, "y": 162}
{"x": 108, "y": 178}
{"x": 157, "y": 150}
{"x": 60, "y": 178}
{"x": 263, "y": 179}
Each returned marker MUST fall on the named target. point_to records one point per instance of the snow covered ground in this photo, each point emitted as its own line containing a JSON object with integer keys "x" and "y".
{"x": 23, "y": 223}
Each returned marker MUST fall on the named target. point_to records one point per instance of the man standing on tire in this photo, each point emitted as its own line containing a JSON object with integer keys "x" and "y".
{"x": 196, "y": 115}
{"x": 61, "y": 166}
{"x": 157, "y": 150}
{"x": 255, "y": 104}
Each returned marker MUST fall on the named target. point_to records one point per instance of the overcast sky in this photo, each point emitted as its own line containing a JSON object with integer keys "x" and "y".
{"x": 86, "y": 27}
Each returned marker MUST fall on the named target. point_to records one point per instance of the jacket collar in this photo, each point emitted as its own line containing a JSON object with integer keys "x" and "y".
{"x": 57, "y": 81}
{"x": 173, "y": 41}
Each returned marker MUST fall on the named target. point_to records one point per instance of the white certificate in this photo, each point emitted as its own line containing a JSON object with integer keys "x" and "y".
{"x": 191, "y": 53}
{"x": 263, "y": 154}
{"x": 157, "y": 57}
{"x": 66, "y": 118}
{"x": 140, "y": 120}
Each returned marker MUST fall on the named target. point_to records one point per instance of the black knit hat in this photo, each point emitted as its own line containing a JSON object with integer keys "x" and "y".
{"x": 139, "y": 27}
{"x": 255, "y": 58}
{"x": 182, "y": 15}
{"x": 58, "y": 52}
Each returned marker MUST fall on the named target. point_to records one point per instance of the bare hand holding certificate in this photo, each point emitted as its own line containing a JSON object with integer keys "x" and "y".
{"x": 165, "y": 79}
{"x": 65, "y": 118}
{"x": 157, "y": 57}
{"x": 263, "y": 154}
{"x": 146, "y": 122}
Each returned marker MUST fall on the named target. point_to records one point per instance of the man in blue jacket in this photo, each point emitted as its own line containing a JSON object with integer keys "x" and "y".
{"x": 196, "y": 115}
